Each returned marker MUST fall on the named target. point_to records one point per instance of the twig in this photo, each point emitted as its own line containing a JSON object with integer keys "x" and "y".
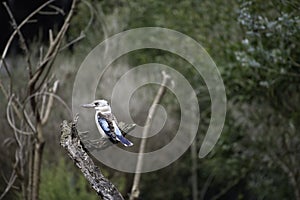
{"x": 229, "y": 186}
{"x": 50, "y": 103}
{"x": 194, "y": 170}
{"x": 71, "y": 142}
{"x": 103, "y": 19}
{"x": 48, "y": 12}
{"x": 9, "y": 185}
{"x": 58, "y": 9}
{"x": 58, "y": 98}
{"x": 49, "y": 58}
{"x": 82, "y": 33}
{"x": 19, "y": 27}
{"x": 43, "y": 99}
{"x": 17, "y": 111}
{"x": 80, "y": 37}
{"x": 21, "y": 37}
{"x": 50, "y": 37}
{"x": 135, "y": 187}
{"x": 89, "y": 5}
{"x": 206, "y": 186}
{"x": 9, "y": 94}
{"x": 10, "y": 80}
{"x": 13, "y": 176}
{"x": 11, "y": 124}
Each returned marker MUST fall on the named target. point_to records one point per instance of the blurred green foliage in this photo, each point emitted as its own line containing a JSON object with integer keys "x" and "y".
{"x": 62, "y": 181}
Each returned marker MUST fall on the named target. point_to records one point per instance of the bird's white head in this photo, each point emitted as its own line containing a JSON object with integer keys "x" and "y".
{"x": 99, "y": 105}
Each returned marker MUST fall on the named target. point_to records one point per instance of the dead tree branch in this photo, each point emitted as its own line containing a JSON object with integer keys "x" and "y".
{"x": 71, "y": 142}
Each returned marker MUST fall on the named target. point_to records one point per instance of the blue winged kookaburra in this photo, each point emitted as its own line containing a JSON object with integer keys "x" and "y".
{"x": 107, "y": 123}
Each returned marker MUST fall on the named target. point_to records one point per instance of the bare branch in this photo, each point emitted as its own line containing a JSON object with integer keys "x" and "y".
{"x": 89, "y": 5}
{"x": 13, "y": 105}
{"x": 82, "y": 33}
{"x": 104, "y": 26}
{"x": 50, "y": 37}
{"x": 26, "y": 117}
{"x": 8, "y": 94}
{"x": 50, "y": 103}
{"x": 71, "y": 142}
{"x": 21, "y": 37}
{"x": 206, "y": 185}
{"x": 229, "y": 186}
{"x": 13, "y": 174}
{"x": 48, "y": 12}
{"x": 9, "y": 184}
{"x": 10, "y": 80}
{"x": 48, "y": 94}
{"x": 11, "y": 124}
{"x": 43, "y": 101}
{"x": 61, "y": 11}
{"x": 80, "y": 37}
{"x": 52, "y": 52}
{"x": 194, "y": 170}
{"x": 19, "y": 27}
{"x": 3, "y": 90}
{"x": 135, "y": 188}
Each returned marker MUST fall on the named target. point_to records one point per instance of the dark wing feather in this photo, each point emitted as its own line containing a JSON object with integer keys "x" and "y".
{"x": 107, "y": 127}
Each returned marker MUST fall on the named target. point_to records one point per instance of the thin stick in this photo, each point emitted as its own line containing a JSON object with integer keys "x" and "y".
{"x": 10, "y": 79}
{"x": 80, "y": 37}
{"x": 49, "y": 58}
{"x": 19, "y": 27}
{"x": 135, "y": 188}
{"x": 17, "y": 111}
{"x": 11, "y": 124}
{"x": 58, "y": 98}
{"x": 50, "y": 103}
{"x": 58, "y": 9}
{"x": 82, "y": 33}
{"x": 194, "y": 170}
{"x": 9, "y": 185}
{"x": 21, "y": 37}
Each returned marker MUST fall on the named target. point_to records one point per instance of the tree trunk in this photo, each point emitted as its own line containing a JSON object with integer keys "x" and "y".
{"x": 37, "y": 162}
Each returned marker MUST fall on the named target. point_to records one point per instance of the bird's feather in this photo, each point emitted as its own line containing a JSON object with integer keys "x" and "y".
{"x": 111, "y": 129}
{"x": 120, "y": 137}
{"x": 107, "y": 128}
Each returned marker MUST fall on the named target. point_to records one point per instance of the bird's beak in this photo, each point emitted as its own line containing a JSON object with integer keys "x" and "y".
{"x": 90, "y": 105}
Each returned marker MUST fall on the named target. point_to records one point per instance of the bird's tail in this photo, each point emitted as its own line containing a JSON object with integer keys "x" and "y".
{"x": 124, "y": 141}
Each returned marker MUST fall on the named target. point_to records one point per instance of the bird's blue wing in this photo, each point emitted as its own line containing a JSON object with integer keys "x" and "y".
{"x": 117, "y": 131}
{"x": 105, "y": 127}
{"x": 114, "y": 132}
{"x": 121, "y": 138}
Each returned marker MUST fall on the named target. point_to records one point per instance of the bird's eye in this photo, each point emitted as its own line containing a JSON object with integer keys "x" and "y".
{"x": 96, "y": 103}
